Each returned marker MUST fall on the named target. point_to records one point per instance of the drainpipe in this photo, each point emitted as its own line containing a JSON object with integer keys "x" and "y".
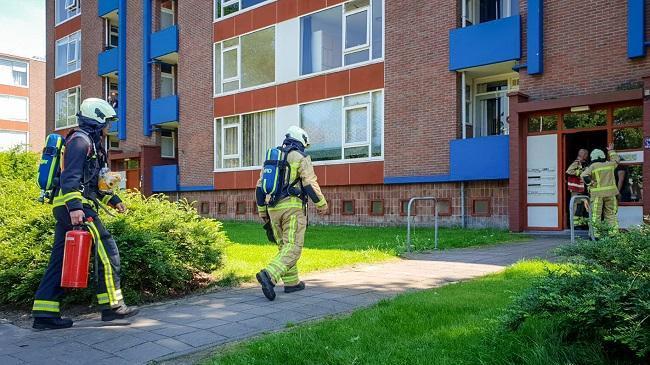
{"x": 121, "y": 71}
{"x": 463, "y": 119}
{"x": 146, "y": 65}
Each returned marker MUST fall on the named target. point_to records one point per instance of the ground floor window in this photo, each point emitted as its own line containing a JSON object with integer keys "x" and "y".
{"x": 9, "y": 140}
{"x": 167, "y": 143}
{"x": 345, "y": 128}
{"x": 66, "y": 105}
{"x": 242, "y": 141}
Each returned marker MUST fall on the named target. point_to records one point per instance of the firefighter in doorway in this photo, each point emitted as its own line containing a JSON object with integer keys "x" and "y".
{"x": 577, "y": 187}
{"x": 76, "y": 198}
{"x": 601, "y": 179}
{"x": 286, "y": 213}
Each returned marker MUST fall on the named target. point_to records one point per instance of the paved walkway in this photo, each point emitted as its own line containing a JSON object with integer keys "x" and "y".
{"x": 186, "y": 326}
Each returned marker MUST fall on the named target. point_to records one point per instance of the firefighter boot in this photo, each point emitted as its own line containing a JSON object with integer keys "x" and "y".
{"x": 120, "y": 312}
{"x": 264, "y": 279}
{"x": 294, "y": 288}
{"x": 51, "y": 323}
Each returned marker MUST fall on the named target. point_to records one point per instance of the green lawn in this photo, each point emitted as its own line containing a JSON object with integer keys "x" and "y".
{"x": 455, "y": 324}
{"x": 328, "y": 247}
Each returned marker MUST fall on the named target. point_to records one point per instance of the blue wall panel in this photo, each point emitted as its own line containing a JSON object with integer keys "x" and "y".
{"x": 164, "y": 42}
{"x": 486, "y": 43}
{"x": 636, "y": 28}
{"x": 535, "y": 43}
{"x": 121, "y": 71}
{"x": 164, "y": 110}
{"x": 106, "y": 6}
{"x": 165, "y": 178}
{"x": 146, "y": 67}
{"x": 108, "y": 62}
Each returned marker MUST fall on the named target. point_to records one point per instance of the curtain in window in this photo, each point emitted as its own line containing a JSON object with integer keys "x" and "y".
{"x": 258, "y": 135}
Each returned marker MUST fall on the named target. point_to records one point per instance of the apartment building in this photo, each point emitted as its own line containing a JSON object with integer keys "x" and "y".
{"x": 480, "y": 104}
{"x": 22, "y": 102}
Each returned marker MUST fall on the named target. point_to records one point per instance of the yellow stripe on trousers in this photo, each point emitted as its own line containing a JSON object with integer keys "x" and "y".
{"x": 108, "y": 269}
{"x": 276, "y": 266}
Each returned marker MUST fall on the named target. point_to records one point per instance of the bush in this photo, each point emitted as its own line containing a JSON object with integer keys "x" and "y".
{"x": 602, "y": 297}
{"x": 167, "y": 248}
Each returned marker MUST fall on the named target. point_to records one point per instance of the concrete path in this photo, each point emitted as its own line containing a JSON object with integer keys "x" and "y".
{"x": 187, "y": 326}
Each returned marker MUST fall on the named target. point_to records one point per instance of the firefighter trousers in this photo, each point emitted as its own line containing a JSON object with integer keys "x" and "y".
{"x": 604, "y": 209}
{"x": 107, "y": 272}
{"x": 289, "y": 226}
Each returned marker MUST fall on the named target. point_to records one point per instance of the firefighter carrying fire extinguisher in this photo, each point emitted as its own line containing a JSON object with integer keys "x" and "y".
{"x": 76, "y": 199}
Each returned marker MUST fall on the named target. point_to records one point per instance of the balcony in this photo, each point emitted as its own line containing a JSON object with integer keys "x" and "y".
{"x": 164, "y": 111}
{"x": 486, "y": 43}
{"x": 164, "y": 178}
{"x": 107, "y": 9}
{"x": 107, "y": 62}
{"x": 164, "y": 45}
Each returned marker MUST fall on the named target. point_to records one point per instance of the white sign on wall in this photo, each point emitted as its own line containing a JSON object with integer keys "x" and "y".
{"x": 542, "y": 170}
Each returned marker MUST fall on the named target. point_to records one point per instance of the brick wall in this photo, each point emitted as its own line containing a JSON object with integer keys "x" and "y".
{"x": 422, "y": 97}
{"x": 392, "y": 197}
{"x": 37, "y": 105}
{"x": 585, "y": 50}
{"x": 92, "y": 44}
{"x": 195, "y": 150}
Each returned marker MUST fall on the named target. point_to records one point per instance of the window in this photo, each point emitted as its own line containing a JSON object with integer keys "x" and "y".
{"x": 112, "y": 142}
{"x": 443, "y": 207}
{"x": 68, "y": 54}
{"x": 167, "y": 143}
{"x": 227, "y": 7}
{"x": 348, "y": 207}
{"x": 628, "y": 115}
{"x": 13, "y": 107}
{"x": 66, "y": 9}
{"x": 222, "y": 208}
{"x": 10, "y": 140}
{"x": 13, "y": 72}
{"x": 404, "y": 206}
{"x": 345, "y": 128}
{"x": 113, "y": 36}
{"x": 481, "y": 11}
{"x": 481, "y": 207}
{"x": 204, "y": 208}
{"x": 241, "y": 208}
{"x": 343, "y": 35}
{"x": 585, "y": 120}
{"x": 66, "y": 107}
{"x": 630, "y": 182}
{"x": 242, "y": 141}
{"x": 245, "y": 62}
{"x": 542, "y": 123}
{"x": 377, "y": 207}
{"x": 167, "y": 18}
{"x": 491, "y": 104}
{"x": 628, "y": 139}
{"x": 167, "y": 80}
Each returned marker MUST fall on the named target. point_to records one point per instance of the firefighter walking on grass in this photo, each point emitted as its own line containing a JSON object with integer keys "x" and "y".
{"x": 76, "y": 198}
{"x": 601, "y": 178}
{"x": 285, "y": 184}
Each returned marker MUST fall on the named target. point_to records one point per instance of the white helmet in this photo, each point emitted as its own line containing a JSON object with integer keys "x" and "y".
{"x": 98, "y": 109}
{"x": 299, "y": 134}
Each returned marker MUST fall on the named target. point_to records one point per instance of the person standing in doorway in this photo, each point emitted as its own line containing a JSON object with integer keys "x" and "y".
{"x": 600, "y": 177}
{"x": 577, "y": 187}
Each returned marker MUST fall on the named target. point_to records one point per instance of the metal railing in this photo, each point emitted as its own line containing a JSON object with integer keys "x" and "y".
{"x": 572, "y": 213}
{"x": 408, "y": 221}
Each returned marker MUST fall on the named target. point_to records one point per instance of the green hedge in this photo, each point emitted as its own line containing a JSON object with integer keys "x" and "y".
{"x": 167, "y": 248}
{"x": 603, "y": 297}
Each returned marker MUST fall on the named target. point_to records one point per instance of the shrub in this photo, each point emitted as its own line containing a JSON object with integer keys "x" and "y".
{"x": 602, "y": 297}
{"x": 166, "y": 248}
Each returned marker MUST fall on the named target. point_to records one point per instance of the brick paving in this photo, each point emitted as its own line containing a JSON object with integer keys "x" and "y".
{"x": 163, "y": 332}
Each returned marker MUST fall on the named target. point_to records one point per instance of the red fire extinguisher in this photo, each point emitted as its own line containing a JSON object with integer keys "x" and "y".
{"x": 76, "y": 258}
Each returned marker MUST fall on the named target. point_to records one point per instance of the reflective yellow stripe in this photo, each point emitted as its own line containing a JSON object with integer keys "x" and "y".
{"x": 611, "y": 168}
{"x": 294, "y": 171}
{"x": 261, "y": 208}
{"x": 321, "y": 203}
{"x": 106, "y": 262}
{"x": 45, "y": 306}
{"x": 604, "y": 188}
{"x": 106, "y": 198}
{"x": 292, "y": 202}
{"x": 102, "y": 298}
{"x": 61, "y": 199}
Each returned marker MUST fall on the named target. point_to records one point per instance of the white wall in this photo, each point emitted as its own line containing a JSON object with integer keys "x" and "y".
{"x": 287, "y": 51}
{"x": 285, "y": 117}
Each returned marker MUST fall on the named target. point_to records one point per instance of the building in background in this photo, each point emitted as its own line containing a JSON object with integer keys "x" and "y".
{"x": 22, "y": 102}
{"x": 478, "y": 103}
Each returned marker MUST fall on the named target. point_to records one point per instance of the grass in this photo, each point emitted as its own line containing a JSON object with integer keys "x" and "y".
{"x": 328, "y": 247}
{"x": 455, "y": 324}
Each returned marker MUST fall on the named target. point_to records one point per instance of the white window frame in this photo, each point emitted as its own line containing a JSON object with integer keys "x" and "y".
{"x": 477, "y": 97}
{"x": 235, "y": 78}
{"x": 361, "y": 47}
{"x": 471, "y": 11}
{"x": 76, "y": 7}
{"x": 26, "y": 107}
{"x": 173, "y": 138}
{"x": 171, "y": 11}
{"x": 238, "y": 126}
{"x": 71, "y": 5}
{"x": 13, "y": 62}
{"x": 76, "y": 55}
{"x": 368, "y": 108}
{"x": 110, "y": 34}
{"x": 172, "y": 76}
{"x": 214, "y": 9}
{"x": 76, "y": 91}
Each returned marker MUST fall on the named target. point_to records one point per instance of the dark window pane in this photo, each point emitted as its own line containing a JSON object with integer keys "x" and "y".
{"x": 482, "y": 207}
{"x": 585, "y": 120}
{"x": 222, "y": 208}
{"x": 322, "y": 40}
{"x": 628, "y": 138}
{"x": 377, "y": 207}
{"x": 241, "y": 208}
{"x": 444, "y": 207}
{"x": 356, "y": 29}
{"x": 630, "y": 182}
{"x": 628, "y": 115}
{"x": 377, "y": 29}
{"x": 348, "y": 207}
{"x": 542, "y": 123}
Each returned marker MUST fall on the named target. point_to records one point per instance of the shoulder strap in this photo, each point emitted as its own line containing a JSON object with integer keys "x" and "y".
{"x": 83, "y": 135}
